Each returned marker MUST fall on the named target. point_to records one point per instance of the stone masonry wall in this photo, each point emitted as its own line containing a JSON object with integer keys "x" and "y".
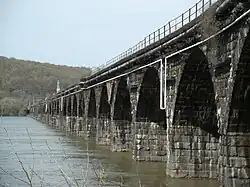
{"x": 103, "y": 131}
{"x": 193, "y": 153}
{"x": 120, "y": 135}
{"x": 149, "y": 142}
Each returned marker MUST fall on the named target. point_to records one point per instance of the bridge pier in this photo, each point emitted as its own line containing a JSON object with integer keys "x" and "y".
{"x": 103, "y": 131}
{"x": 57, "y": 122}
{"x": 68, "y": 114}
{"x": 193, "y": 153}
{"x": 120, "y": 135}
{"x": 90, "y": 127}
{"x": 81, "y": 123}
{"x": 150, "y": 141}
{"x": 235, "y": 160}
{"x": 67, "y": 124}
{"x": 61, "y": 121}
{"x": 74, "y": 124}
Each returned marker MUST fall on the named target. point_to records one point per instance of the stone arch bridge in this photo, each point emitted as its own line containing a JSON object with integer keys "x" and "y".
{"x": 180, "y": 96}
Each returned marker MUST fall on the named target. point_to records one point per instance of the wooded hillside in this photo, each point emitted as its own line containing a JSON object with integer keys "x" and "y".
{"x": 20, "y": 80}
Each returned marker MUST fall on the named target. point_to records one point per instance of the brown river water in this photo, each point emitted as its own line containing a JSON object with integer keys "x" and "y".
{"x": 57, "y": 159}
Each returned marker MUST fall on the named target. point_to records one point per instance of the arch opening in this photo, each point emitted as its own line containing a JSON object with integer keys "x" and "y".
{"x": 53, "y": 108}
{"x": 49, "y": 108}
{"x": 92, "y": 104}
{"x": 57, "y": 107}
{"x": 40, "y": 111}
{"x": 239, "y": 114}
{"x": 81, "y": 105}
{"x": 69, "y": 106}
{"x": 74, "y": 111}
{"x": 122, "y": 105}
{"x": 44, "y": 109}
{"x": 148, "y": 107}
{"x": 64, "y": 107}
{"x": 104, "y": 111}
{"x": 195, "y": 103}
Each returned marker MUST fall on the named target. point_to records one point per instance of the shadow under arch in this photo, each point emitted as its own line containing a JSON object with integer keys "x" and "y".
{"x": 74, "y": 112}
{"x": 69, "y": 112}
{"x": 103, "y": 121}
{"x": 92, "y": 104}
{"x": 91, "y": 115}
{"x": 148, "y": 107}
{"x": 195, "y": 103}
{"x": 121, "y": 118}
{"x": 57, "y": 107}
{"x": 81, "y": 104}
{"x": 64, "y": 106}
{"x": 104, "y": 110}
{"x": 122, "y": 105}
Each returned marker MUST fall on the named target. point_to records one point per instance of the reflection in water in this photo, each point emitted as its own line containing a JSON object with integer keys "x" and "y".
{"x": 59, "y": 159}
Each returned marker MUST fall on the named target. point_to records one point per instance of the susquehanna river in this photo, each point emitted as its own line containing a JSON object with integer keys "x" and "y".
{"x": 57, "y": 159}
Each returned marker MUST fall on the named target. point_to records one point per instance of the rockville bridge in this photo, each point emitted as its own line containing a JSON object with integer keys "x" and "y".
{"x": 180, "y": 96}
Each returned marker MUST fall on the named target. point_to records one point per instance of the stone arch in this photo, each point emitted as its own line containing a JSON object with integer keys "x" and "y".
{"x": 195, "y": 103}
{"x": 121, "y": 128}
{"x": 92, "y": 104}
{"x": 122, "y": 105}
{"x": 239, "y": 113}
{"x": 150, "y": 122}
{"x": 74, "y": 111}
{"x": 103, "y": 121}
{"x": 104, "y": 110}
{"x": 148, "y": 106}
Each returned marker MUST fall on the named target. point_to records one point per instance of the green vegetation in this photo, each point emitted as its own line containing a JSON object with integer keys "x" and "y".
{"x": 21, "y": 80}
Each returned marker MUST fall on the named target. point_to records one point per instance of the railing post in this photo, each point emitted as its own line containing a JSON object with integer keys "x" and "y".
{"x": 196, "y": 9}
{"x": 149, "y": 39}
{"x": 182, "y": 20}
{"x": 145, "y": 42}
{"x": 189, "y": 15}
{"x": 154, "y": 37}
{"x": 159, "y": 34}
{"x": 169, "y": 27}
{"x": 164, "y": 30}
{"x": 210, "y": 3}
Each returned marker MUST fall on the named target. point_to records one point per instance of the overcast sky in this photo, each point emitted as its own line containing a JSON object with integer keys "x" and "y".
{"x": 80, "y": 32}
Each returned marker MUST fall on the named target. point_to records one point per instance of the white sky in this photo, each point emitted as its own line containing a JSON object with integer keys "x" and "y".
{"x": 80, "y": 32}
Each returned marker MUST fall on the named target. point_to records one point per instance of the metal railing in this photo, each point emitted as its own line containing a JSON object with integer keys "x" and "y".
{"x": 159, "y": 34}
